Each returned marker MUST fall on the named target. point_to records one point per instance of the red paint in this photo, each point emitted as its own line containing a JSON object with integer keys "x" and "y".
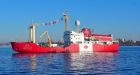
{"x": 72, "y": 48}
{"x": 85, "y": 46}
{"x": 102, "y": 37}
{"x": 28, "y": 47}
{"x": 106, "y": 48}
{"x": 87, "y": 32}
{"x": 32, "y": 47}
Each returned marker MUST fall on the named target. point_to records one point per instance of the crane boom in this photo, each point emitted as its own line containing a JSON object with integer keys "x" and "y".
{"x": 32, "y": 28}
{"x": 49, "y": 39}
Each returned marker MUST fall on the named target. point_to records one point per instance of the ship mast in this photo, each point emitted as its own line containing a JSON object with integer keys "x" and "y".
{"x": 32, "y": 30}
{"x": 77, "y": 24}
{"x": 32, "y": 33}
{"x": 66, "y": 21}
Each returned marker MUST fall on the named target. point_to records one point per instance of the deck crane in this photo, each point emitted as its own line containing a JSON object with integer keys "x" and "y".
{"x": 32, "y": 31}
{"x": 49, "y": 39}
{"x": 32, "y": 28}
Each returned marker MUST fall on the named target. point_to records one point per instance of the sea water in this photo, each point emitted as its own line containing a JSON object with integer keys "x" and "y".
{"x": 124, "y": 62}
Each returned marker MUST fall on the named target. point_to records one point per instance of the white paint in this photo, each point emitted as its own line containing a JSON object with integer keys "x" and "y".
{"x": 54, "y": 45}
{"x": 86, "y": 47}
{"x": 33, "y": 33}
{"x": 73, "y": 37}
{"x": 77, "y": 22}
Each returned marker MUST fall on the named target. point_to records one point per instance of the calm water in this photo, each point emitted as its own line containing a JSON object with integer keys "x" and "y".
{"x": 125, "y": 62}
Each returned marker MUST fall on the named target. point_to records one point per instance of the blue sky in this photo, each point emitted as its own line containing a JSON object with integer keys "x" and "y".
{"x": 118, "y": 17}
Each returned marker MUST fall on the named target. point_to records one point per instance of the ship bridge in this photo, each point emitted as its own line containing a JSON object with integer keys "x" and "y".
{"x": 73, "y": 37}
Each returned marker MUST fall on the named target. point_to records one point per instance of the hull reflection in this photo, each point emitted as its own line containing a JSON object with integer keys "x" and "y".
{"x": 92, "y": 63}
{"x": 67, "y": 63}
{"x": 38, "y": 63}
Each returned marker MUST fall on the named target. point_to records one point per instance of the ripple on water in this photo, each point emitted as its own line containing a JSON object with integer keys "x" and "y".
{"x": 126, "y": 62}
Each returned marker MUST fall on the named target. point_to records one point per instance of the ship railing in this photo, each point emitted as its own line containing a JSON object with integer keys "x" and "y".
{"x": 105, "y": 42}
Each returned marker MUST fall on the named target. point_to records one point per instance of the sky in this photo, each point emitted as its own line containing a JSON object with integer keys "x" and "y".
{"x": 118, "y": 17}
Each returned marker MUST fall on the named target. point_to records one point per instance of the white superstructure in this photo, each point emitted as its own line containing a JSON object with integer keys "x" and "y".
{"x": 73, "y": 37}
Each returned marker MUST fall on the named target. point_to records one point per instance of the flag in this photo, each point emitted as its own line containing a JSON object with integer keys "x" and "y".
{"x": 54, "y": 21}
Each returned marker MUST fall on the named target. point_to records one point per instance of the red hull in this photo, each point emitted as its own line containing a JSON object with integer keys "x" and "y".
{"x": 28, "y": 47}
{"x": 106, "y": 48}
